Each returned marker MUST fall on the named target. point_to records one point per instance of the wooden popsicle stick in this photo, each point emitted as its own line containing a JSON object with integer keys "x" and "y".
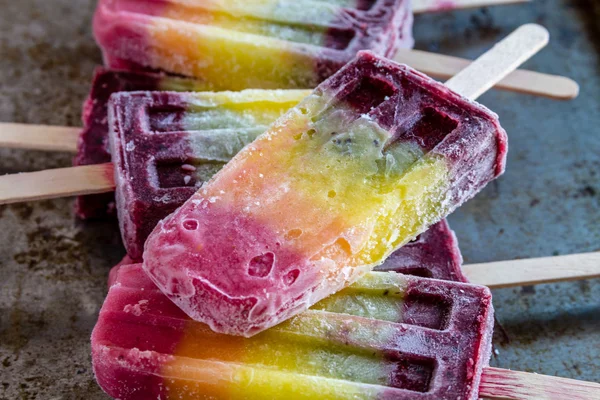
{"x": 521, "y": 81}
{"x": 53, "y": 183}
{"x": 534, "y": 271}
{"x": 38, "y": 137}
{"x": 505, "y": 384}
{"x": 427, "y": 6}
{"x": 499, "y": 61}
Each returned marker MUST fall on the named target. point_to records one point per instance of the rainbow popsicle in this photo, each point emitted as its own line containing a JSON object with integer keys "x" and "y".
{"x": 388, "y": 336}
{"x": 374, "y": 156}
{"x": 235, "y": 44}
{"x": 92, "y": 146}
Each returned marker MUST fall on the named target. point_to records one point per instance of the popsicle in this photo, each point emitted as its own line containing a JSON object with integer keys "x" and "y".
{"x": 374, "y": 156}
{"x": 249, "y": 44}
{"x": 423, "y": 257}
{"x": 266, "y": 43}
{"x": 388, "y": 336}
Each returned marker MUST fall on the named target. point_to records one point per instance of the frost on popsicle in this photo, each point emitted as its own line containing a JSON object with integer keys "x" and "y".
{"x": 374, "y": 156}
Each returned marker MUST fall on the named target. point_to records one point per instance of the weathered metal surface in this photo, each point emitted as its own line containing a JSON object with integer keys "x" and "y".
{"x": 53, "y": 269}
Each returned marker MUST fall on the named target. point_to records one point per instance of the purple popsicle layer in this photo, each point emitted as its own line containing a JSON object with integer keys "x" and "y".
{"x": 92, "y": 146}
{"x": 387, "y": 336}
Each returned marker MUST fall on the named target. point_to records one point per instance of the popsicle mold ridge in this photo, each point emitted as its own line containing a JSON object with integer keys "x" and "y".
{"x": 433, "y": 254}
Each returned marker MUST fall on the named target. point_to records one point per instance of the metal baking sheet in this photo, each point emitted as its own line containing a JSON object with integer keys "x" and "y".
{"x": 53, "y": 269}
